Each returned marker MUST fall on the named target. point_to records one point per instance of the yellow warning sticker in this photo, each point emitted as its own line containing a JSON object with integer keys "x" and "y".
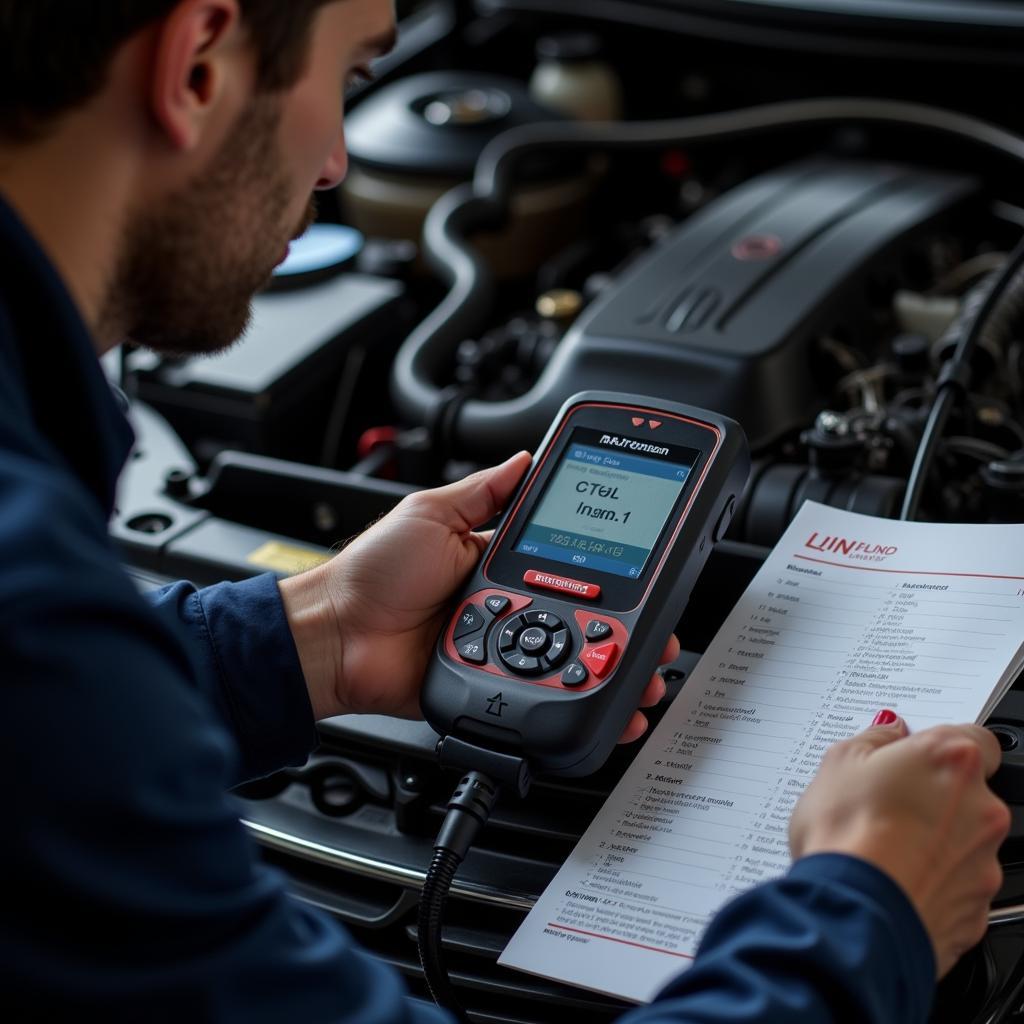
{"x": 286, "y": 558}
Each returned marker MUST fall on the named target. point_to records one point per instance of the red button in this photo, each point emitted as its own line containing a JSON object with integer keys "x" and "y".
{"x": 601, "y": 660}
{"x": 545, "y": 581}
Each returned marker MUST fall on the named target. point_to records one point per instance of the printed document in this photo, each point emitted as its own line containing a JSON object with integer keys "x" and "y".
{"x": 848, "y": 615}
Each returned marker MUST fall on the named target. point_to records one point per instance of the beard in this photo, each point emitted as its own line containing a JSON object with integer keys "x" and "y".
{"x": 189, "y": 269}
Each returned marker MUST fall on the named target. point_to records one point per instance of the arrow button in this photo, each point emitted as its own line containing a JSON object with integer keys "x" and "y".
{"x": 469, "y": 622}
{"x": 473, "y": 651}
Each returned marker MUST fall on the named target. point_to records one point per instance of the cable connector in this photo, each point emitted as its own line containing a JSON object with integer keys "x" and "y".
{"x": 505, "y": 769}
{"x": 468, "y": 810}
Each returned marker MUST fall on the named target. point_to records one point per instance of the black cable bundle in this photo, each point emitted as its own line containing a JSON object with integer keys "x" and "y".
{"x": 981, "y": 310}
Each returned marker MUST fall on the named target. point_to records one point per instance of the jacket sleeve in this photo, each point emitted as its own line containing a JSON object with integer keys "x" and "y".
{"x": 247, "y": 667}
{"x": 835, "y": 940}
{"x": 136, "y": 892}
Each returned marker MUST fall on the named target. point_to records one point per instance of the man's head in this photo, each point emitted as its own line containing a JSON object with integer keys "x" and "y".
{"x": 219, "y": 118}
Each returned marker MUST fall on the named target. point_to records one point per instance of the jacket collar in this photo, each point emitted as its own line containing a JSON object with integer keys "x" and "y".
{"x": 68, "y": 395}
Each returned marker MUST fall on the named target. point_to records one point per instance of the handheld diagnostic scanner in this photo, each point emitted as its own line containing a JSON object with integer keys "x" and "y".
{"x": 558, "y": 631}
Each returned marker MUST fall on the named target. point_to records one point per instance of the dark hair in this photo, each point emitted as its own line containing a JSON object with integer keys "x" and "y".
{"x": 54, "y": 54}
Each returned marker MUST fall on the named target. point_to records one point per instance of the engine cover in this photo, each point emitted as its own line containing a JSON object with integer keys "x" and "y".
{"x": 724, "y": 313}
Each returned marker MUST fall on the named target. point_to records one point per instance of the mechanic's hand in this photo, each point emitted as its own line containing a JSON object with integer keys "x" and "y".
{"x": 365, "y": 624}
{"x": 919, "y": 808}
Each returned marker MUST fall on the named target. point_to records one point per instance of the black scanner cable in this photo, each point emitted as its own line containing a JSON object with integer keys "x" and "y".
{"x": 485, "y": 772}
{"x": 468, "y": 811}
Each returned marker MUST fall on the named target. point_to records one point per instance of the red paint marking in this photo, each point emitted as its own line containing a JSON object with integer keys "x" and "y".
{"x": 624, "y": 942}
{"x": 757, "y": 247}
{"x": 675, "y": 164}
{"x": 909, "y": 572}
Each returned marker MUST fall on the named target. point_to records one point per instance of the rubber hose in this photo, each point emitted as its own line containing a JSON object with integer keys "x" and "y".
{"x": 428, "y": 352}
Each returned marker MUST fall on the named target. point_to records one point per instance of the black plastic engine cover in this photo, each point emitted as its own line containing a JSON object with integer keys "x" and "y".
{"x": 726, "y": 311}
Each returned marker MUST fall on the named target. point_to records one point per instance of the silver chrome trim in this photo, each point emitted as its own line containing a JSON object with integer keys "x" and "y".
{"x": 370, "y": 868}
{"x": 1006, "y": 915}
{"x": 381, "y": 870}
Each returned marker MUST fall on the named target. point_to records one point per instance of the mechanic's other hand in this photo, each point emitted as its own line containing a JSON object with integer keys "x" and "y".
{"x": 919, "y": 808}
{"x": 365, "y": 624}
{"x": 653, "y": 694}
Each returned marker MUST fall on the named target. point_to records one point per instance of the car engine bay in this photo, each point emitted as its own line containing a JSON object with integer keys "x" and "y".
{"x": 780, "y": 211}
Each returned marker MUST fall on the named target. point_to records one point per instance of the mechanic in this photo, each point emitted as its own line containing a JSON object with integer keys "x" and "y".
{"x": 156, "y": 156}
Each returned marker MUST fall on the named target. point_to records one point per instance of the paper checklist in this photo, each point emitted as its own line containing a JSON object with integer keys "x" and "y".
{"x": 849, "y": 614}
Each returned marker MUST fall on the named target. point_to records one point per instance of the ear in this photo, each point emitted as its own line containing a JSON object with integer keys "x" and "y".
{"x": 199, "y": 50}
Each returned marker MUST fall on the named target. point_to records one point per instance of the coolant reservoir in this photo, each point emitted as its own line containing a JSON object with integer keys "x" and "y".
{"x": 415, "y": 139}
{"x": 573, "y": 78}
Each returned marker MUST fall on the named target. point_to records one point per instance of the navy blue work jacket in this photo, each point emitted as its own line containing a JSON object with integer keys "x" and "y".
{"x": 130, "y": 889}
